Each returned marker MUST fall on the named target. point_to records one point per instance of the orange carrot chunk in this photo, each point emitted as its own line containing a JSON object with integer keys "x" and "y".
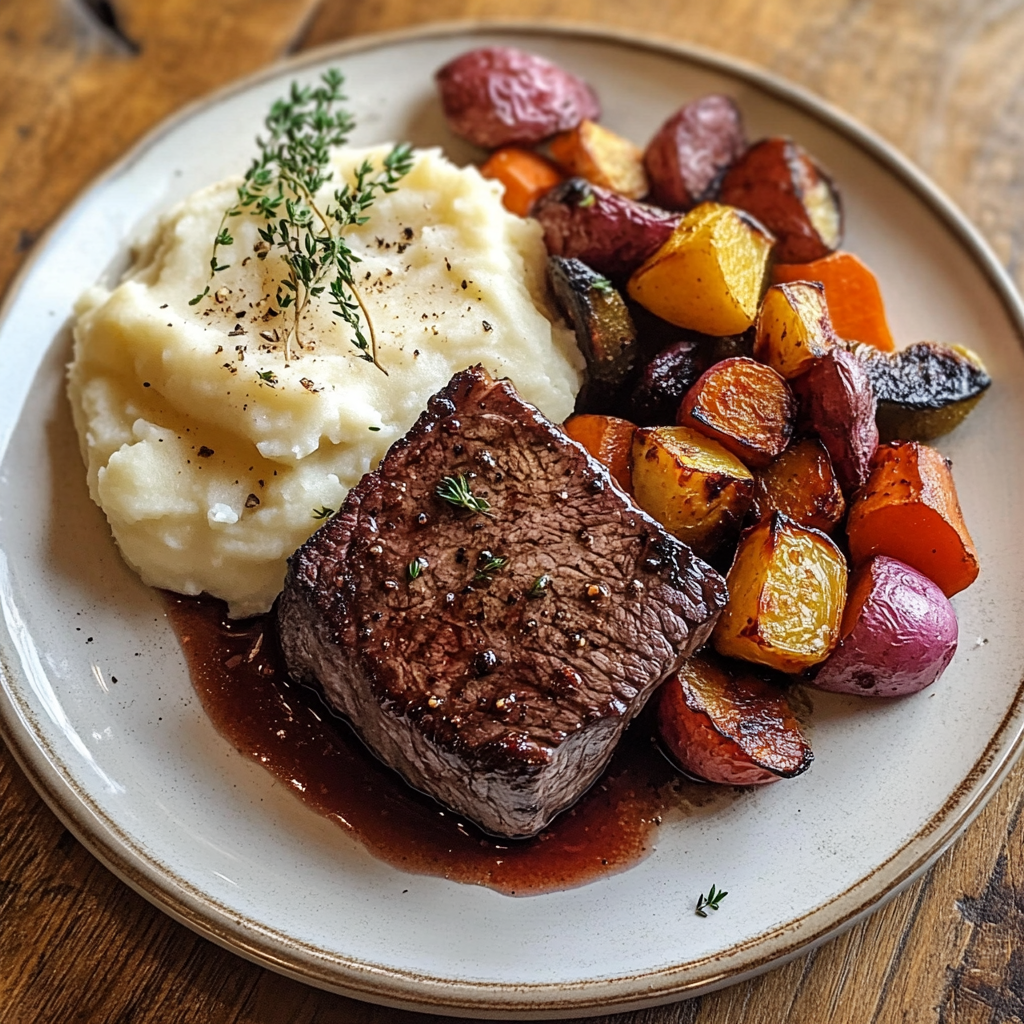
{"x": 852, "y": 293}
{"x": 909, "y": 510}
{"x": 609, "y": 440}
{"x": 526, "y": 176}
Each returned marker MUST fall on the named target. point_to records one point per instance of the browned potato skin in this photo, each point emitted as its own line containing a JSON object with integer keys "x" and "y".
{"x": 801, "y": 484}
{"x": 745, "y": 406}
{"x": 771, "y": 181}
{"x": 691, "y": 151}
{"x": 723, "y": 723}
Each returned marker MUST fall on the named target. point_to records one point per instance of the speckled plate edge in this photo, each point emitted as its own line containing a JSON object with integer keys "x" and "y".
{"x": 381, "y": 984}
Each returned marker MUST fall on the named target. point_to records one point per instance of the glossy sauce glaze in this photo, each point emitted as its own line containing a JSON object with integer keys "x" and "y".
{"x": 238, "y": 671}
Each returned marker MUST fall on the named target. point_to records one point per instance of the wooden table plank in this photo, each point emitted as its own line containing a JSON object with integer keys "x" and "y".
{"x": 942, "y": 79}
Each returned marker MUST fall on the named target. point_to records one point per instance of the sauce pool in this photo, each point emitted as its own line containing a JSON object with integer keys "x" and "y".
{"x": 238, "y": 672}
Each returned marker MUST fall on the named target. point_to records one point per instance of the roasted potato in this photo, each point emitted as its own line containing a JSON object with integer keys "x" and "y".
{"x": 723, "y": 723}
{"x": 745, "y": 406}
{"x": 801, "y": 484}
{"x": 608, "y": 232}
{"x": 691, "y": 151}
{"x": 780, "y": 184}
{"x": 500, "y": 96}
{"x": 925, "y": 390}
{"x": 793, "y": 328}
{"x": 710, "y": 274}
{"x": 593, "y": 152}
{"x": 525, "y": 174}
{"x": 909, "y": 510}
{"x": 899, "y": 633}
{"x": 837, "y": 401}
{"x": 610, "y": 440}
{"x": 694, "y": 487}
{"x": 787, "y": 587}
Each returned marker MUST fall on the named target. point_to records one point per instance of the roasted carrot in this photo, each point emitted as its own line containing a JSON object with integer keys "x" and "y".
{"x": 526, "y": 176}
{"x": 909, "y": 510}
{"x": 609, "y": 440}
{"x": 852, "y": 293}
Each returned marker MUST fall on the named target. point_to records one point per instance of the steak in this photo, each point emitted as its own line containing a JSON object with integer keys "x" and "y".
{"x": 492, "y": 644}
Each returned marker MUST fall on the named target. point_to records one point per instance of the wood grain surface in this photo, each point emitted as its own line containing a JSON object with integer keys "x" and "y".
{"x": 80, "y": 80}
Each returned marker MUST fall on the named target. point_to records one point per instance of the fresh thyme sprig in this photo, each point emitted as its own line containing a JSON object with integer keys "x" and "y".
{"x": 485, "y": 573}
{"x": 280, "y": 189}
{"x": 456, "y": 491}
{"x": 323, "y": 512}
{"x": 709, "y": 902}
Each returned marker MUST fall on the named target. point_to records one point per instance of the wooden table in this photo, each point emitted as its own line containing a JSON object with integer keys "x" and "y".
{"x": 82, "y": 79}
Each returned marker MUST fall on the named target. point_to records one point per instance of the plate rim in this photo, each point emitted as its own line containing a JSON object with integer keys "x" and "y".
{"x": 407, "y": 989}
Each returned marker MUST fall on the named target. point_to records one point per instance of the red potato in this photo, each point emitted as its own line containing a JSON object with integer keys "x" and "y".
{"x": 837, "y": 400}
{"x": 899, "y": 633}
{"x": 723, "y": 723}
{"x": 500, "y": 96}
{"x": 607, "y": 231}
{"x": 686, "y": 159}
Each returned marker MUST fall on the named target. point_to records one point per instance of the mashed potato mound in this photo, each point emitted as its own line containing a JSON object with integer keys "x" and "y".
{"x": 212, "y": 452}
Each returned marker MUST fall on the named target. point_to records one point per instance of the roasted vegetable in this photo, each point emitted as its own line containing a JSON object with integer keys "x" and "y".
{"x": 593, "y": 152}
{"x": 909, "y": 510}
{"x": 780, "y": 184}
{"x": 793, "y": 328}
{"x": 497, "y": 96}
{"x": 837, "y": 401}
{"x": 604, "y": 330}
{"x": 787, "y": 586}
{"x": 608, "y": 232}
{"x": 898, "y": 635}
{"x": 710, "y": 274}
{"x": 745, "y": 406}
{"x": 853, "y": 296}
{"x": 609, "y": 440}
{"x": 925, "y": 390}
{"x": 525, "y": 174}
{"x": 802, "y": 484}
{"x": 694, "y": 487}
{"x": 725, "y": 724}
{"x": 664, "y": 381}
{"x": 691, "y": 151}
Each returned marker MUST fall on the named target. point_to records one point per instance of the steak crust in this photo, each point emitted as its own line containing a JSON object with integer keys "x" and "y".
{"x": 498, "y": 687}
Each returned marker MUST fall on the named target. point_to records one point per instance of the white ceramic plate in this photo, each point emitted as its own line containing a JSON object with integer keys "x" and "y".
{"x": 138, "y": 773}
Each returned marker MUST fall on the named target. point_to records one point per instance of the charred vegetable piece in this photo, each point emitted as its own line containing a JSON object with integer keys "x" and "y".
{"x": 723, "y": 723}
{"x": 925, "y": 390}
{"x": 836, "y": 399}
{"x": 694, "y": 487}
{"x": 525, "y": 174}
{"x": 710, "y": 274}
{"x": 853, "y": 296}
{"x": 745, "y": 406}
{"x": 604, "y": 329}
{"x": 686, "y": 159}
{"x": 793, "y": 328}
{"x": 909, "y": 510}
{"x": 801, "y": 484}
{"x": 593, "y": 152}
{"x": 497, "y": 95}
{"x": 787, "y": 587}
{"x": 609, "y": 440}
{"x": 781, "y": 185}
{"x": 898, "y": 635}
{"x": 608, "y": 232}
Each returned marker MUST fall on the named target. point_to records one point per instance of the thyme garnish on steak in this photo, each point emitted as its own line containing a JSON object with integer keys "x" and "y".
{"x": 456, "y": 491}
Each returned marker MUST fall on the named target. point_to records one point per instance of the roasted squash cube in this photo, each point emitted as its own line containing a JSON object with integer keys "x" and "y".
{"x": 793, "y": 328}
{"x": 787, "y": 589}
{"x": 593, "y": 152}
{"x": 610, "y": 440}
{"x": 745, "y": 406}
{"x": 694, "y": 487}
{"x": 801, "y": 484}
{"x": 710, "y": 274}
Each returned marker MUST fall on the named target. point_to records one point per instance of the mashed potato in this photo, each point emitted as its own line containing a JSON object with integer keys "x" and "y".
{"x": 212, "y": 452}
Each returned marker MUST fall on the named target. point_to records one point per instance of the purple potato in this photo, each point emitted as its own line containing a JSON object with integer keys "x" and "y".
{"x": 899, "y": 633}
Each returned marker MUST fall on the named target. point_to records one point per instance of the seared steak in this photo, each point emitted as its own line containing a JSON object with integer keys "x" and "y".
{"x": 493, "y": 644}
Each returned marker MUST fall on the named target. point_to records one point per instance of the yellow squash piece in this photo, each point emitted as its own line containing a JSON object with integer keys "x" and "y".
{"x": 787, "y": 590}
{"x": 793, "y": 327}
{"x": 695, "y": 488}
{"x": 710, "y": 274}
{"x": 593, "y": 152}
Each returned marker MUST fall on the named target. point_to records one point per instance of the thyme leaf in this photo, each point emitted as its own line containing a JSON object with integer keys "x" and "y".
{"x": 540, "y": 586}
{"x": 456, "y": 491}
{"x": 415, "y": 568}
{"x": 489, "y": 567}
{"x": 709, "y": 902}
{"x": 323, "y": 512}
